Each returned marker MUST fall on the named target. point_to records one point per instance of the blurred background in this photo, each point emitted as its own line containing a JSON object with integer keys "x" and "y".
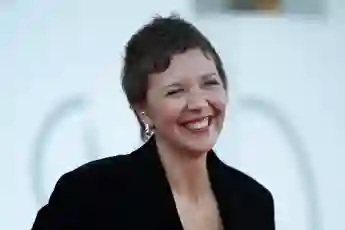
{"x": 62, "y": 103}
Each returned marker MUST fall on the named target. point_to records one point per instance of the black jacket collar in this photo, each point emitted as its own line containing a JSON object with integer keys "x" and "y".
{"x": 219, "y": 174}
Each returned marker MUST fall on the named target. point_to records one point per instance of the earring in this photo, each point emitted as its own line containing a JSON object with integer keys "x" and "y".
{"x": 148, "y": 131}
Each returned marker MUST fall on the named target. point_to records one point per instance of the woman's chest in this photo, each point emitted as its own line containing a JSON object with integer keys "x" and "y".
{"x": 199, "y": 215}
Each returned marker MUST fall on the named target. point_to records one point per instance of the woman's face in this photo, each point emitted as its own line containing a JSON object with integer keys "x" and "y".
{"x": 186, "y": 103}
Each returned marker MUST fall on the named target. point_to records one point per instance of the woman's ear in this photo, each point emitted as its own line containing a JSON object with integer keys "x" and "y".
{"x": 141, "y": 111}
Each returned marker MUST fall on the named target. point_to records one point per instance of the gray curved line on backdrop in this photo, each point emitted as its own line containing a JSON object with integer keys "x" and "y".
{"x": 52, "y": 120}
{"x": 301, "y": 155}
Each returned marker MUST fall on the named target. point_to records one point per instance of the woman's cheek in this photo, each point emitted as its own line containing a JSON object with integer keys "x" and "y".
{"x": 218, "y": 100}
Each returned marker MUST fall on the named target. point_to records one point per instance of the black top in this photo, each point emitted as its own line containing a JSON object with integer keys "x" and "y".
{"x": 132, "y": 192}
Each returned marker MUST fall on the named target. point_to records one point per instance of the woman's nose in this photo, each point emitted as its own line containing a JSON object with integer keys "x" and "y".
{"x": 196, "y": 101}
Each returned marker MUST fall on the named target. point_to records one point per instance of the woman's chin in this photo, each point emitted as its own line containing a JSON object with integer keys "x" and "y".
{"x": 199, "y": 143}
{"x": 198, "y": 147}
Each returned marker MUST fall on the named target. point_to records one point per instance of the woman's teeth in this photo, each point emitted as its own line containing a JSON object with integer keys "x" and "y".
{"x": 198, "y": 125}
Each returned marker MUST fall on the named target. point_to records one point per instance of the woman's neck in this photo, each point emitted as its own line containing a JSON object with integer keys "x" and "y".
{"x": 186, "y": 172}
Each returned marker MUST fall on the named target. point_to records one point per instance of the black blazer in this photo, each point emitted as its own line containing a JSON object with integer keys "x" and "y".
{"x": 132, "y": 192}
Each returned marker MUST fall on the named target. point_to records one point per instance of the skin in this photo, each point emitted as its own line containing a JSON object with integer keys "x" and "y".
{"x": 190, "y": 89}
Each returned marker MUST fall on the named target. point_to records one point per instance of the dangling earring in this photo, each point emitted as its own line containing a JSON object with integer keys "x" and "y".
{"x": 147, "y": 131}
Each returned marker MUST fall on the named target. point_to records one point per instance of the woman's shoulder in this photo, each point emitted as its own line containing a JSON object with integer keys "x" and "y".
{"x": 96, "y": 171}
{"x": 81, "y": 190}
{"x": 118, "y": 168}
{"x": 244, "y": 183}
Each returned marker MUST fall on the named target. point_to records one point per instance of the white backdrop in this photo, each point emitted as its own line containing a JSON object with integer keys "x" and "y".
{"x": 62, "y": 104}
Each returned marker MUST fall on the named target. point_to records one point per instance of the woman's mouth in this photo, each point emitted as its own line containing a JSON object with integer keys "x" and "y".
{"x": 198, "y": 125}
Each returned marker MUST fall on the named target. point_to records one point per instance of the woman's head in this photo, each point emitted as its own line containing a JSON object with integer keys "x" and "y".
{"x": 175, "y": 83}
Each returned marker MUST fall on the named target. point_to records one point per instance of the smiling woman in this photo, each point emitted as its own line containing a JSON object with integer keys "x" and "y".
{"x": 176, "y": 85}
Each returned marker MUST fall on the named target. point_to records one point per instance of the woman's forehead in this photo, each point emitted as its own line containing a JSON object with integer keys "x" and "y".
{"x": 190, "y": 65}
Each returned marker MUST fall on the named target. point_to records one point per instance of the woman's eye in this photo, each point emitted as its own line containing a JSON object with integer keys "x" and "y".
{"x": 211, "y": 82}
{"x": 173, "y": 92}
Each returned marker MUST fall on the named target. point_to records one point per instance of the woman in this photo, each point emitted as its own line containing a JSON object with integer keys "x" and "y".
{"x": 176, "y": 85}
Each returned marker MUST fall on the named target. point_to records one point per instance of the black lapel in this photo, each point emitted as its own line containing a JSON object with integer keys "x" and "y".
{"x": 161, "y": 212}
{"x": 158, "y": 197}
{"x": 222, "y": 182}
